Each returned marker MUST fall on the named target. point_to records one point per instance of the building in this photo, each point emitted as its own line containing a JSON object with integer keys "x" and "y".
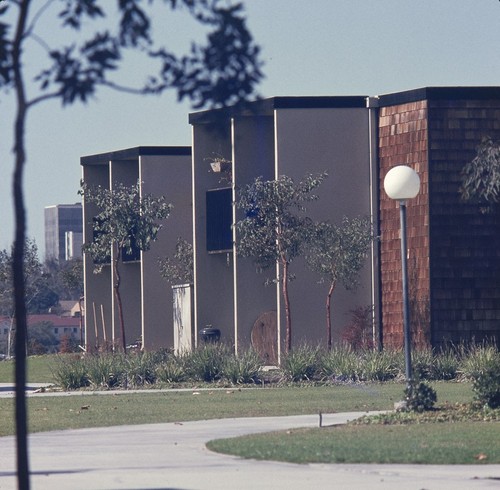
{"x": 58, "y": 329}
{"x": 453, "y": 248}
{"x": 291, "y": 136}
{"x": 63, "y": 232}
{"x": 146, "y": 296}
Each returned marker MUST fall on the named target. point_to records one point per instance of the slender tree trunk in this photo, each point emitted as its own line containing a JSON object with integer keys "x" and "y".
{"x": 329, "y": 316}
{"x": 286, "y": 299}
{"x": 23, "y": 476}
{"x": 118, "y": 297}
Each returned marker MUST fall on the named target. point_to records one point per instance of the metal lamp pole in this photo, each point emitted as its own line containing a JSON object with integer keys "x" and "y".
{"x": 402, "y": 183}
{"x": 406, "y": 307}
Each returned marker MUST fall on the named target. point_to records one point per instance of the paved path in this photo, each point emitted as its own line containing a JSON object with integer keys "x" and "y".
{"x": 173, "y": 456}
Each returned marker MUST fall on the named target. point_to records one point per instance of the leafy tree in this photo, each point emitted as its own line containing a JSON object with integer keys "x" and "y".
{"x": 41, "y": 338}
{"x": 275, "y": 228}
{"x": 481, "y": 176}
{"x": 39, "y": 296}
{"x": 179, "y": 268}
{"x": 337, "y": 253}
{"x": 224, "y": 70}
{"x": 65, "y": 278}
{"x": 126, "y": 222}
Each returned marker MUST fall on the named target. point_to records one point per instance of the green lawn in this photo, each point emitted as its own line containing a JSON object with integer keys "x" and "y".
{"x": 429, "y": 443}
{"x": 86, "y": 410}
{"x": 38, "y": 370}
{"x": 464, "y": 442}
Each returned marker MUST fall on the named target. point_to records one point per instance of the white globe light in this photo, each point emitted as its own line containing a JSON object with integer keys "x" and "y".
{"x": 401, "y": 183}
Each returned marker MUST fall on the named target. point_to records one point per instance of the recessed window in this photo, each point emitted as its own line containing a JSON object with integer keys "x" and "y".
{"x": 219, "y": 220}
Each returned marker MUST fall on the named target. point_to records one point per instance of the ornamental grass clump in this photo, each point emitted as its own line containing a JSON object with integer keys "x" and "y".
{"x": 341, "y": 363}
{"x": 105, "y": 370}
{"x": 301, "y": 363}
{"x": 139, "y": 369}
{"x": 379, "y": 366}
{"x": 70, "y": 373}
{"x": 446, "y": 365}
{"x": 244, "y": 368}
{"x": 171, "y": 370}
{"x": 207, "y": 363}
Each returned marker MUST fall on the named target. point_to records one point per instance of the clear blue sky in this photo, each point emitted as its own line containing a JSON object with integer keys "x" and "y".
{"x": 310, "y": 47}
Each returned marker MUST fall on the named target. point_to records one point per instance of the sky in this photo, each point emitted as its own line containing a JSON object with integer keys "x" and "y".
{"x": 309, "y": 47}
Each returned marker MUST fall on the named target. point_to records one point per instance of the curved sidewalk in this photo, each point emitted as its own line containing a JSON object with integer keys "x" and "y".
{"x": 173, "y": 456}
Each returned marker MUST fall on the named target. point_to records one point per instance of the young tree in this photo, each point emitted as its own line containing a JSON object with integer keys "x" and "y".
{"x": 481, "y": 176}
{"x": 275, "y": 228}
{"x": 337, "y": 253}
{"x": 180, "y": 268}
{"x": 224, "y": 70}
{"x": 126, "y": 222}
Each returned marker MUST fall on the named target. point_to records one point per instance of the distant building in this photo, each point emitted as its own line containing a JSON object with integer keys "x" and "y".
{"x": 63, "y": 232}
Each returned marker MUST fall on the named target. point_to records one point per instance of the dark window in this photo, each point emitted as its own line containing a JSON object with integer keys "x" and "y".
{"x": 135, "y": 253}
{"x": 219, "y": 220}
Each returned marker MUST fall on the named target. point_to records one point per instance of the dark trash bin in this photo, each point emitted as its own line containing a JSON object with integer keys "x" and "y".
{"x": 209, "y": 335}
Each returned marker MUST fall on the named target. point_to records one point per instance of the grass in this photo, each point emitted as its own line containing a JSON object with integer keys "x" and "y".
{"x": 38, "y": 370}
{"x": 458, "y": 443}
{"x": 434, "y": 437}
{"x": 87, "y": 410}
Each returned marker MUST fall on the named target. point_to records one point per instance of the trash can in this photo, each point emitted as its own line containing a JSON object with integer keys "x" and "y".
{"x": 209, "y": 335}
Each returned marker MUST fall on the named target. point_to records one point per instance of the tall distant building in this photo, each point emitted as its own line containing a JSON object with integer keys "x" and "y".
{"x": 63, "y": 232}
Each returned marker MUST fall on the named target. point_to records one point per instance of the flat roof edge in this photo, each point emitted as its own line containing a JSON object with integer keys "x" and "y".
{"x": 440, "y": 93}
{"x": 131, "y": 153}
{"x": 265, "y": 107}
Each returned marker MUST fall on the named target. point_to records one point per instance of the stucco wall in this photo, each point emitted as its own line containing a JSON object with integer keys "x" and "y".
{"x": 168, "y": 176}
{"x": 310, "y": 141}
{"x": 214, "y": 299}
{"x": 98, "y": 288}
{"x": 253, "y": 157}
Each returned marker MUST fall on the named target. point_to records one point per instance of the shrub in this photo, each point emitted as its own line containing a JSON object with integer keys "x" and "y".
{"x": 358, "y": 333}
{"x": 422, "y": 363}
{"x": 340, "y": 363}
{"x": 207, "y": 363}
{"x": 379, "y": 366}
{"x": 245, "y": 368}
{"x": 475, "y": 358}
{"x": 486, "y": 387}
{"x": 70, "y": 373}
{"x": 419, "y": 396}
{"x": 301, "y": 363}
{"x": 139, "y": 369}
{"x": 482, "y": 366}
{"x": 446, "y": 365}
{"x": 105, "y": 370}
{"x": 171, "y": 370}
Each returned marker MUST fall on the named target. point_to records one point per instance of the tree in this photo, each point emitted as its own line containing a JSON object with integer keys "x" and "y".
{"x": 127, "y": 222}
{"x": 337, "y": 253}
{"x": 42, "y": 339}
{"x": 38, "y": 295}
{"x": 66, "y": 278}
{"x": 481, "y": 176}
{"x": 223, "y": 71}
{"x": 178, "y": 269}
{"x": 275, "y": 229}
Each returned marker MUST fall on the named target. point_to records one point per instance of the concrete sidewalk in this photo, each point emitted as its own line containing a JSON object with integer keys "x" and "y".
{"x": 173, "y": 456}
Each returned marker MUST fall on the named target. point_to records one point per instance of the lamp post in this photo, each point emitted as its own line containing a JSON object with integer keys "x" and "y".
{"x": 402, "y": 183}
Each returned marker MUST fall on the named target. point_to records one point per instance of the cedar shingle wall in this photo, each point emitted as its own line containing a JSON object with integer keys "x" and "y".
{"x": 403, "y": 140}
{"x": 465, "y": 244}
